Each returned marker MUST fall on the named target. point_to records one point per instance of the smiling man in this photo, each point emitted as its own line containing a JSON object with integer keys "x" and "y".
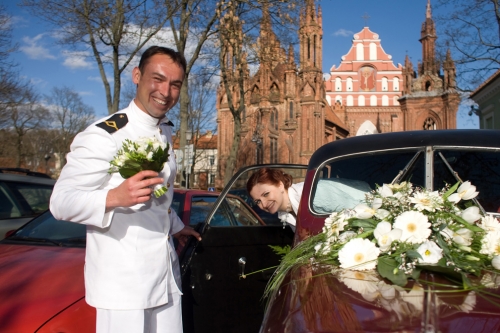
{"x": 132, "y": 273}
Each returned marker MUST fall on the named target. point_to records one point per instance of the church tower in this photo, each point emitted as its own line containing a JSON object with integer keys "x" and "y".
{"x": 430, "y": 101}
{"x": 310, "y": 82}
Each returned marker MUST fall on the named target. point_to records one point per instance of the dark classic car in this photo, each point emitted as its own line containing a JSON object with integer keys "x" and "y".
{"x": 317, "y": 298}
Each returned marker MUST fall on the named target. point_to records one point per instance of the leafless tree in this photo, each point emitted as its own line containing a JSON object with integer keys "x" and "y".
{"x": 193, "y": 24}
{"x": 238, "y": 33}
{"x": 112, "y": 31}
{"x": 10, "y": 82}
{"x": 471, "y": 29}
{"x": 25, "y": 114}
{"x": 70, "y": 116}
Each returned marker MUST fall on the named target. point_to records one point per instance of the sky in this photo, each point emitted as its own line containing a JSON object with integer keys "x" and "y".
{"x": 47, "y": 64}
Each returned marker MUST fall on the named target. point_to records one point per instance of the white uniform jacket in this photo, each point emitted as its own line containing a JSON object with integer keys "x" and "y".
{"x": 129, "y": 256}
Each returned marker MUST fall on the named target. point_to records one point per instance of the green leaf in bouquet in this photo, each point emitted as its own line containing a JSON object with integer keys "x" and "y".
{"x": 126, "y": 172}
{"x": 415, "y": 274}
{"x": 451, "y": 191}
{"x": 466, "y": 224}
{"x": 387, "y": 267}
{"x": 365, "y": 224}
{"x": 442, "y": 244}
{"x": 412, "y": 254}
{"x": 444, "y": 270}
{"x": 280, "y": 250}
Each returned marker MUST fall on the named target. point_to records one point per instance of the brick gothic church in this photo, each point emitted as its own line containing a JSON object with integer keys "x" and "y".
{"x": 292, "y": 110}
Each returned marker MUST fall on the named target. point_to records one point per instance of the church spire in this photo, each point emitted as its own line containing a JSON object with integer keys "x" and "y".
{"x": 450, "y": 73}
{"x": 265, "y": 23}
{"x": 428, "y": 39}
{"x": 408, "y": 76}
{"x": 311, "y": 37}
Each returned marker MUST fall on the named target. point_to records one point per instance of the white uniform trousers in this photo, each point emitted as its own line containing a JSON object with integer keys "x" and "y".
{"x": 165, "y": 318}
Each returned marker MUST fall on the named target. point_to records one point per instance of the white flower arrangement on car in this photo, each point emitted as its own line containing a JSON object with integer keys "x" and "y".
{"x": 142, "y": 154}
{"x": 401, "y": 230}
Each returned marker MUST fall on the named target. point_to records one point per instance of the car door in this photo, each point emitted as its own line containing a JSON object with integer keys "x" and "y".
{"x": 224, "y": 275}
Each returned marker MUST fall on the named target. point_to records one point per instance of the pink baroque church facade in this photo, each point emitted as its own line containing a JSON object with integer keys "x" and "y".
{"x": 291, "y": 110}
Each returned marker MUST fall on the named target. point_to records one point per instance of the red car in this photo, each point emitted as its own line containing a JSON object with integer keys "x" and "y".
{"x": 41, "y": 266}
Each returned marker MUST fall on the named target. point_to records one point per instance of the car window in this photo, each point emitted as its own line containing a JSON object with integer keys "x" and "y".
{"x": 37, "y": 196}
{"x": 238, "y": 188}
{"x": 177, "y": 203}
{"x": 344, "y": 181}
{"x": 8, "y": 207}
{"x": 480, "y": 167}
{"x": 223, "y": 216}
{"x": 200, "y": 207}
{"x": 242, "y": 215}
{"x": 47, "y": 227}
{"x": 23, "y": 199}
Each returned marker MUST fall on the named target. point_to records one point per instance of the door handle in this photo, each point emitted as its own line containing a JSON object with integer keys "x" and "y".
{"x": 242, "y": 262}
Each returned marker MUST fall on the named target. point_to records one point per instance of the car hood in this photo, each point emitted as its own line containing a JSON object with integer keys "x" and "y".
{"x": 315, "y": 299}
{"x": 36, "y": 283}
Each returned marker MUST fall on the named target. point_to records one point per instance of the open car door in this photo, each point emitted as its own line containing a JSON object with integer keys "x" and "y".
{"x": 224, "y": 275}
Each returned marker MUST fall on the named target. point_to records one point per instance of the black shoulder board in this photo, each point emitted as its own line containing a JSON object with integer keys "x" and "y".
{"x": 114, "y": 123}
{"x": 170, "y": 123}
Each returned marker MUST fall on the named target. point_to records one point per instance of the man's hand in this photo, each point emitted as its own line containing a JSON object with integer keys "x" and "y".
{"x": 133, "y": 190}
{"x": 183, "y": 235}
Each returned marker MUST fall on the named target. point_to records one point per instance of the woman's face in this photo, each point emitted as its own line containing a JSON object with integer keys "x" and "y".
{"x": 270, "y": 198}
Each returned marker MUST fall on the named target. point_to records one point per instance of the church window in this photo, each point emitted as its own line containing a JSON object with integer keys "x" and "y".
{"x": 349, "y": 84}
{"x": 291, "y": 110}
{"x": 255, "y": 97}
{"x": 429, "y": 124}
{"x": 428, "y": 86}
{"x": 314, "y": 51}
{"x": 373, "y": 51}
{"x": 275, "y": 119}
{"x": 350, "y": 100}
{"x": 373, "y": 100}
{"x": 361, "y": 100}
{"x": 338, "y": 84}
{"x": 308, "y": 48}
{"x": 274, "y": 150}
{"x": 338, "y": 99}
{"x": 360, "y": 52}
{"x": 395, "y": 84}
{"x": 385, "y": 84}
{"x": 385, "y": 100}
{"x": 395, "y": 100}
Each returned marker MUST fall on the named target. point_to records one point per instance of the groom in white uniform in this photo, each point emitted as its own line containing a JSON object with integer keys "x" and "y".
{"x": 131, "y": 269}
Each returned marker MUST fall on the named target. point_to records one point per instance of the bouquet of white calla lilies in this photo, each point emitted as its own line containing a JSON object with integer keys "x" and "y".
{"x": 142, "y": 154}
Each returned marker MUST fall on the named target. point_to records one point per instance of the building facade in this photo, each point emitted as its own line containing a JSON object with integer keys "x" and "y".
{"x": 487, "y": 97}
{"x": 291, "y": 110}
{"x": 198, "y": 161}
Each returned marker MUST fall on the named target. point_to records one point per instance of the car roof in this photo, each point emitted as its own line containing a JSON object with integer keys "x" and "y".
{"x": 19, "y": 175}
{"x": 195, "y": 191}
{"x": 358, "y": 144}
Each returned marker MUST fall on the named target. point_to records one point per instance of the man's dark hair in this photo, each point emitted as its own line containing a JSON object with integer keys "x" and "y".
{"x": 151, "y": 51}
